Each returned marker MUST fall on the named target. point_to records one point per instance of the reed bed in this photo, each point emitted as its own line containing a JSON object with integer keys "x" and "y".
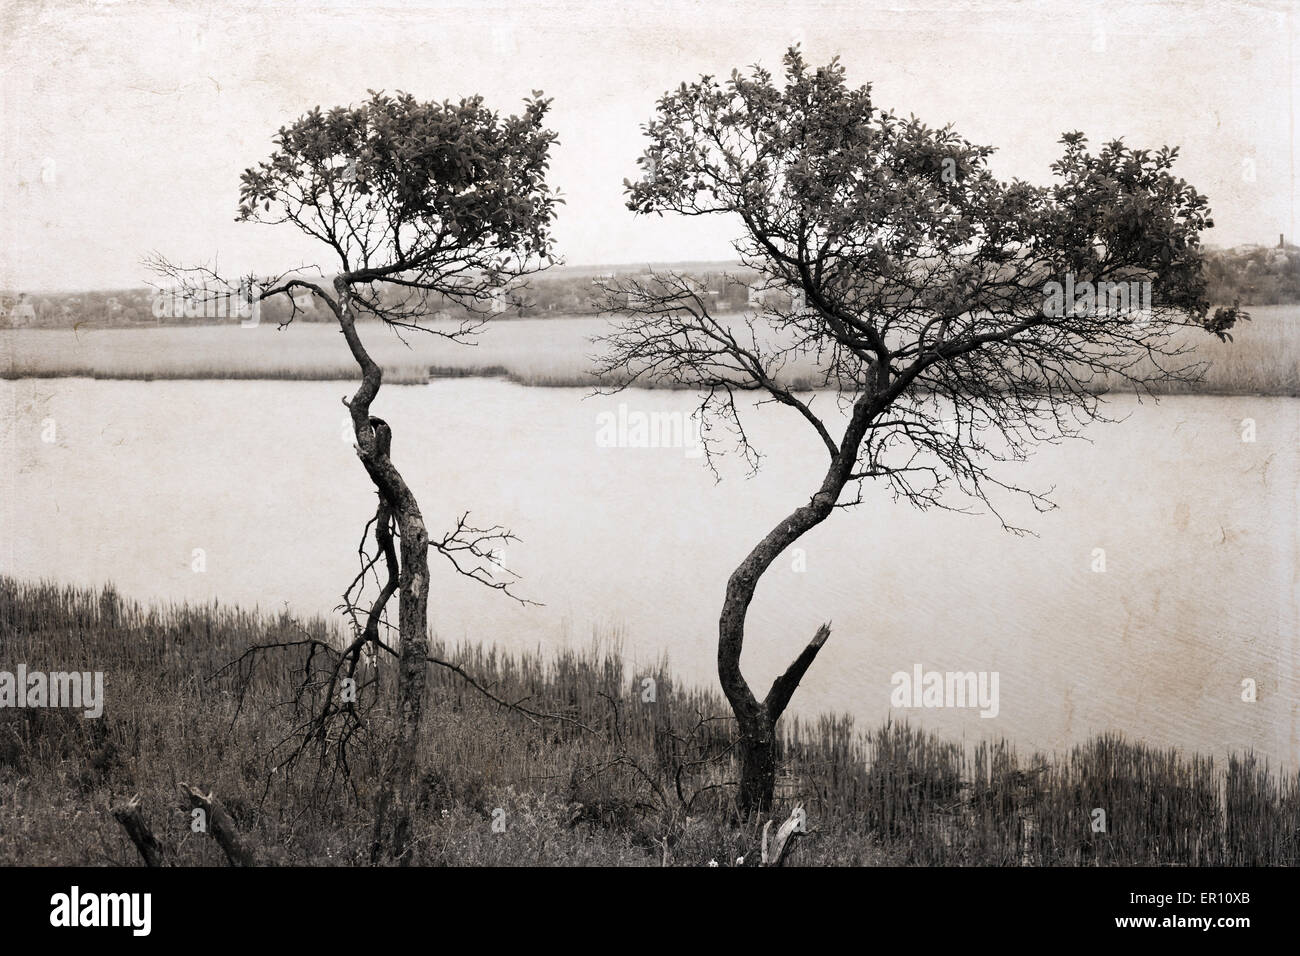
{"x": 1264, "y": 359}
{"x": 611, "y": 777}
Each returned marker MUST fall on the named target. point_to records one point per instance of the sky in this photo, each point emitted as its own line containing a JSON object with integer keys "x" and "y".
{"x": 124, "y": 126}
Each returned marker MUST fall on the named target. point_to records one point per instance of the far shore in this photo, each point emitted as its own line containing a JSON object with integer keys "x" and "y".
{"x": 1263, "y": 359}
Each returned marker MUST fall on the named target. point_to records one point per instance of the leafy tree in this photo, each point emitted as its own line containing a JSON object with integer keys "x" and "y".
{"x": 920, "y": 284}
{"x": 417, "y": 203}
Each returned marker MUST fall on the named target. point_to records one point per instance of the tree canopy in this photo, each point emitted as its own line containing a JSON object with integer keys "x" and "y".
{"x": 917, "y": 278}
{"x": 418, "y": 200}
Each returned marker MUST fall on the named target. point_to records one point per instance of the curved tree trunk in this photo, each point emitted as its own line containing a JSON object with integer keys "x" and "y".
{"x": 757, "y": 719}
{"x": 374, "y": 439}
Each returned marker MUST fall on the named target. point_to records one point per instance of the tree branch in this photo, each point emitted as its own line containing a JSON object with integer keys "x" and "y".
{"x": 784, "y": 686}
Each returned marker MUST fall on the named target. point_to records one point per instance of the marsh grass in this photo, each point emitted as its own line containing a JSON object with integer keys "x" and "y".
{"x": 1264, "y": 358}
{"x": 601, "y": 793}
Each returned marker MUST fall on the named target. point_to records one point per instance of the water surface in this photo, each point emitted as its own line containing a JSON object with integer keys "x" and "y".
{"x": 1197, "y": 526}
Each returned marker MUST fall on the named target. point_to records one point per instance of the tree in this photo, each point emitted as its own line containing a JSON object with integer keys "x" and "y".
{"x": 921, "y": 288}
{"x": 418, "y": 203}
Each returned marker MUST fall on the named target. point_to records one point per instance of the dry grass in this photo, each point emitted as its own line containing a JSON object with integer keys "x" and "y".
{"x": 571, "y": 796}
{"x": 554, "y": 351}
{"x": 1264, "y": 359}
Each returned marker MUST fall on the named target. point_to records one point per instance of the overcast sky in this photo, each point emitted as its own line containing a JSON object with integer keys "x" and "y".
{"x": 126, "y": 125}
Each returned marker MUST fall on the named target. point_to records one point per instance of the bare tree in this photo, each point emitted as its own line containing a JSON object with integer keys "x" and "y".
{"x": 954, "y": 319}
{"x": 418, "y": 204}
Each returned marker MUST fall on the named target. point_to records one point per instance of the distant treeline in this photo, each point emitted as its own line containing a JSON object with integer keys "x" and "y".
{"x": 1247, "y": 275}
{"x": 1254, "y": 275}
{"x": 557, "y": 293}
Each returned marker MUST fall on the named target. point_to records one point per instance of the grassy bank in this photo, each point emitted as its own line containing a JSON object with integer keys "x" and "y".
{"x": 614, "y": 778}
{"x": 1264, "y": 359}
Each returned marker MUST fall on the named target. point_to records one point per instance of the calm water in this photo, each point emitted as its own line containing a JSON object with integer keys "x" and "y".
{"x": 1199, "y": 530}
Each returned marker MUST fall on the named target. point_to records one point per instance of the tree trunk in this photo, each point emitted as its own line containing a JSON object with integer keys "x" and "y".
{"x": 237, "y": 850}
{"x": 757, "y": 719}
{"x": 757, "y": 765}
{"x": 132, "y": 819}
{"x": 374, "y": 441}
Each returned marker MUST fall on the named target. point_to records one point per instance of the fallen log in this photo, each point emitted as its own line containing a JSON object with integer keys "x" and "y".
{"x": 132, "y": 819}
{"x": 784, "y": 833}
{"x": 218, "y": 822}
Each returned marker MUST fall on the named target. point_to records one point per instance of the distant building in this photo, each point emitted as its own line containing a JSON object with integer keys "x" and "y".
{"x": 499, "y": 302}
{"x": 19, "y": 312}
